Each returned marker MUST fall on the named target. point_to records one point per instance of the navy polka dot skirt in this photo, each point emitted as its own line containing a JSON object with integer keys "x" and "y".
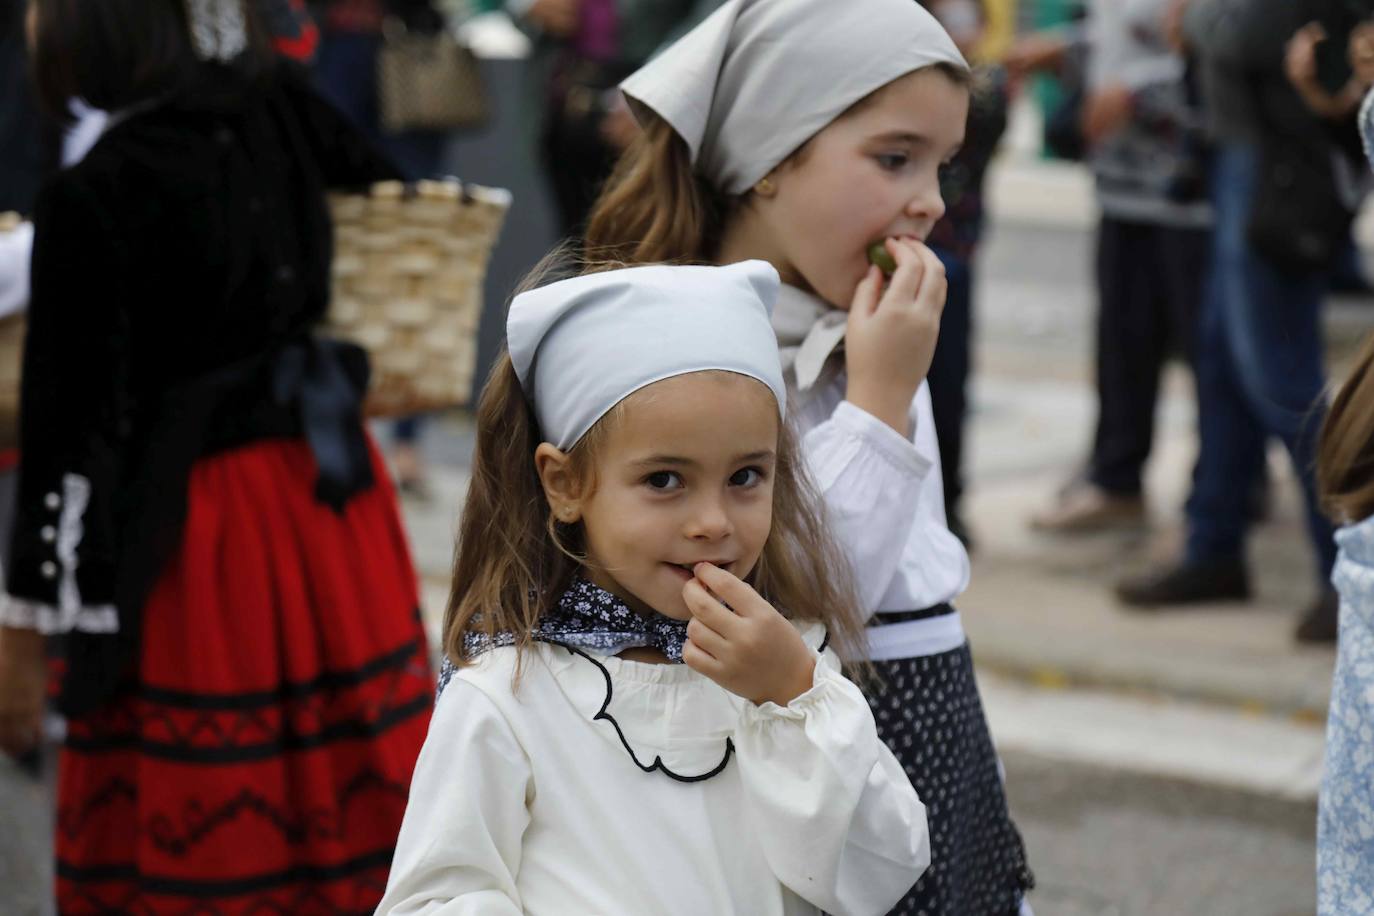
{"x": 929, "y": 713}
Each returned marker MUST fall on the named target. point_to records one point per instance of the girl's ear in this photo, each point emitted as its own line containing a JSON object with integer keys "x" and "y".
{"x": 562, "y": 488}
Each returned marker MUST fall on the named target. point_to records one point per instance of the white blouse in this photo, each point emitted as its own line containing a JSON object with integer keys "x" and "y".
{"x": 605, "y": 786}
{"x": 883, "y": 491}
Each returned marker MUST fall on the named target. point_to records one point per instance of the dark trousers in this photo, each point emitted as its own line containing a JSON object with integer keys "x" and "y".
{"x": 949, "y": 374}
{"x": 1150, "y": 282}
{"x": 1259, "y": 373}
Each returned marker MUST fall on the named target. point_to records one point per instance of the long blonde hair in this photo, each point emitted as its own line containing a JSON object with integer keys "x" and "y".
{"x": 514, "y": 559}
{"x": 1345, "y": 456}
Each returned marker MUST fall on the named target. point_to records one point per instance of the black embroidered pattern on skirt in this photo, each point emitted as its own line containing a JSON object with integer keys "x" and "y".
{"x": 929, "y": 714}
{"x": 588, "y": 617}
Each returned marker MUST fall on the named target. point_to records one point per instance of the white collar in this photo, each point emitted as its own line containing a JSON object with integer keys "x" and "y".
{"x": 810, "y": 331}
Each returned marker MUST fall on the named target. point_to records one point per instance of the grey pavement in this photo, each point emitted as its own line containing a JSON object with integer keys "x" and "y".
{"x": 1107, "y": 843}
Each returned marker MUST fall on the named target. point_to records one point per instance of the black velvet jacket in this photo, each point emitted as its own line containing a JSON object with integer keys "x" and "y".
{"x": 172, "y": 267}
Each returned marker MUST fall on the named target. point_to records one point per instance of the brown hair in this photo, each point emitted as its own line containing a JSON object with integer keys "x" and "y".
{"x": 655, "y": 207}
{"x": 514, "y": 559}
{"x": 1345, "y": 456}
{"x": 114, "y": 54}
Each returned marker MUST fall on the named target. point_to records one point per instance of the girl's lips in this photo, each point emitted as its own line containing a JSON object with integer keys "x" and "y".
{"x": 688, "y": 570}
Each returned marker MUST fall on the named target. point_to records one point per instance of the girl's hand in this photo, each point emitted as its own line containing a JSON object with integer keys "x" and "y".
{"x": 748, "y": 648}
{"x": 23, "y": 678}
{"x": 891, "y": 335}
{"x": 1300, "y": 56}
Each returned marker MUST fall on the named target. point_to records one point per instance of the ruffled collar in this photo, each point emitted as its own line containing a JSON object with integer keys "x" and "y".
{"x": 668, "y": 718}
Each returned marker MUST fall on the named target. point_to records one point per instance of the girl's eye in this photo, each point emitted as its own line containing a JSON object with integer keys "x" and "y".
{"x": 663, "y": 480}
{"x": 893, "y": 162}
{"x": 746, "y": 477}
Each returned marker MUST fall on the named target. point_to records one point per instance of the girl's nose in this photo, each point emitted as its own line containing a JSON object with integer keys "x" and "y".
{"x": 709, "y": 521}
{"x": 926, "y": 204}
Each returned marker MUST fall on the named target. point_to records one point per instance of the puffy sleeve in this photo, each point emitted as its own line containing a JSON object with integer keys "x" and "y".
{"x": 74, "y": 415}
{"x": 870, "y": 478}
{"x": 459, "y": 849}
{"x": 839, "y": 822}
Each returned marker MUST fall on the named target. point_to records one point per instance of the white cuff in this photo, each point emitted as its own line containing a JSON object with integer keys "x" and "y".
{"x": 898, "y": 450}
{"x": 23, "y": 614}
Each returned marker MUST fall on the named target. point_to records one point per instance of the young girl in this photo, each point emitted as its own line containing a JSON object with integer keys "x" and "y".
{"x": 636, "y": 501}
{"x": 795, "y": 132}
{"x": 1345, "y": 474}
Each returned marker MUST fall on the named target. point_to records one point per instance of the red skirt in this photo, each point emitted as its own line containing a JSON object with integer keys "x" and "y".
{"x": 262, "y": 764}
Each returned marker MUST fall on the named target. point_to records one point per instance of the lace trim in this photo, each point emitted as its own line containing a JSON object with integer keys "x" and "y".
{"x": 23, "y": 614}
{"x": 69, "y": 614}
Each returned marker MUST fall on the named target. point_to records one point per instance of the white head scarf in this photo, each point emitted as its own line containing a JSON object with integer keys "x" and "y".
{"x": 758, "y": 78}
{"x": 583, "y": 345}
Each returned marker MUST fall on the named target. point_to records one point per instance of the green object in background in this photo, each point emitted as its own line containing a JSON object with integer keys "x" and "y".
{"x": 1047, "y": 90}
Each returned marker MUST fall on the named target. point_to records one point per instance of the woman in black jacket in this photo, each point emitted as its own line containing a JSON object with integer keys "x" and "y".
{"x": 200, "y": 509}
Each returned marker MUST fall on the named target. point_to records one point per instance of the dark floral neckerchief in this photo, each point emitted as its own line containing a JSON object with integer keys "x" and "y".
{"x": 588, "y": 617}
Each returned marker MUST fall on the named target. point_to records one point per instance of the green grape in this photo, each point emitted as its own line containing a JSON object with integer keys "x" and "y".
{"x": 879, "y": 255}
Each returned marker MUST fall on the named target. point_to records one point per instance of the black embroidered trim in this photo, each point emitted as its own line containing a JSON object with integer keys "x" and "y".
{"x": 329, "y": 680}
{"x": 380, "y": 859}
{"x": 602, "y": 714}
{"x": 311, "y": 824}
{"x": 244, "y": 753}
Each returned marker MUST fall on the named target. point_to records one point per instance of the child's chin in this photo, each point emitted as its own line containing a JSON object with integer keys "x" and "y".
{"x": 677, "y": 611}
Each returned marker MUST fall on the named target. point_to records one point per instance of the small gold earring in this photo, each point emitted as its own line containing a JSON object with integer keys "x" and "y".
{"x": 765, "y": 187}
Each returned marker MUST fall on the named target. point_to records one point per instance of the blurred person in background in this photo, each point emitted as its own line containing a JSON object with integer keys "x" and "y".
{"x": 582, "y": 50}
{"x": 955, "y": 241}
{"x": 1280, "y": 222}
{"x": 1141, "y": 128}
{"x": 199, "y": 509}
{"x": 351, "y": 36}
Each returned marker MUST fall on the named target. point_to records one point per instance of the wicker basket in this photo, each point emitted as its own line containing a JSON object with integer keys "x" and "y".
{"x": 11, "y": 360}
{"x": 409, "y": 264}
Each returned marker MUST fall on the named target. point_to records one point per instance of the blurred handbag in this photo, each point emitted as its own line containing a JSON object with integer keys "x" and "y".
{"x": 428, "y": 81}
{"x": 1299, "y": 220}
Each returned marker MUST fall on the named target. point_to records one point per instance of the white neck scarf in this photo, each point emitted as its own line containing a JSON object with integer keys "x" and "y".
{"x": 810, "y": 331}
{"x": 758, "y": 78}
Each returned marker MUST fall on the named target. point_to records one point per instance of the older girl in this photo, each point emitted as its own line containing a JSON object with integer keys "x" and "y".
{"x": 803, "y": 133}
